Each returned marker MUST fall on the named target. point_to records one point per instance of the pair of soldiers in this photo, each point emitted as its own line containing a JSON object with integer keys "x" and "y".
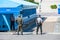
{"x": 38, "y": 21}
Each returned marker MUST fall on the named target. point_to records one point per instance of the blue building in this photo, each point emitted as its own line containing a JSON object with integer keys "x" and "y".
{"x": 8, "y": 8}
{"x": 58, "y": 9}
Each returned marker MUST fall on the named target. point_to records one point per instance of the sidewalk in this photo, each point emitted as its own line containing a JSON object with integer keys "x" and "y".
{"x": 29, "y": 37}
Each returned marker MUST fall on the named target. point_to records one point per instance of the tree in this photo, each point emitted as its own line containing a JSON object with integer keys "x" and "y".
{"x": 53, "y": 6}
{"x": 32, "y": 1}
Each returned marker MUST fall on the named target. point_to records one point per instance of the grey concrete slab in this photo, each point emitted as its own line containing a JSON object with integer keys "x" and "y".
{"x": 29, "y": 37}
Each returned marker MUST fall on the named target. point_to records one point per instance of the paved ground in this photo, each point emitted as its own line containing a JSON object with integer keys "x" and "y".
{"x": 28, "y": 36}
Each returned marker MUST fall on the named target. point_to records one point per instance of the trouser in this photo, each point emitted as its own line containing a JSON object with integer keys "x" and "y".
{"x": 20, "y": 29}
{"x": 12, "y": 26}
{"x": 39, "y": 26}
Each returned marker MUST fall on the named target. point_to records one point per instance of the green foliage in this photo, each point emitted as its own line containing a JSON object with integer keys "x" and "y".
{"x": 35, "y": 2}
{"x": 53, "y": 6}
{"x": 32, "y": 1}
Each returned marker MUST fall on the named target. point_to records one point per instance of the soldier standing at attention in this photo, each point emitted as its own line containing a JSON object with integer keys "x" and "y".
{"x": 12, "y": 21}
{"x": 19, "y": 21}
{"x": 39, "y": 24}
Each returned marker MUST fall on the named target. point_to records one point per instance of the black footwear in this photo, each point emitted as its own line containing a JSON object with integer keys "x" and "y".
{"x": 41, "y": 33}
{"x": 36, "y": 33}
{"x": 17, "y": 33}
{"x": 21, "y": 34}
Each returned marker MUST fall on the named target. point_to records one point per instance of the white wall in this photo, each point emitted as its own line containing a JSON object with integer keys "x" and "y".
{"x": 51, "y": 0}
{"x": 46, "y": 0}
{"x": 45, "y": 6}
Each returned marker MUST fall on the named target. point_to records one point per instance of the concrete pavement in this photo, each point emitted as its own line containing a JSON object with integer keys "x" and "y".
{"x": 29, "y": 37}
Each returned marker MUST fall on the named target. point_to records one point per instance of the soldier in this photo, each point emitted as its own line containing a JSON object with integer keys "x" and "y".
{"x": 12, "y": 21}
{"x": 39, "y": 24}
{"x": 19, "y": 21}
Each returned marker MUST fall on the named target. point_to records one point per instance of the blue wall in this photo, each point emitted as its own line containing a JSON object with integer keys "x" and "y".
{"x": 58, "y": 10}
{"x": 28, "y": 12}
{"x": 8, "y": 7}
